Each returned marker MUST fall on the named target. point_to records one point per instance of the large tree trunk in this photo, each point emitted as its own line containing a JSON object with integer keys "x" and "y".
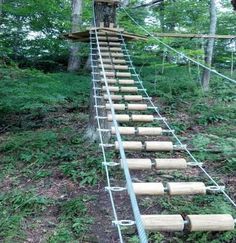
{"x": 209, "y": 46}
{"x": 74, "y": 59}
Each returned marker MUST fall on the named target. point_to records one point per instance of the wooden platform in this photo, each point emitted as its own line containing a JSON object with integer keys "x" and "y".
{"x": 84, "y": 35}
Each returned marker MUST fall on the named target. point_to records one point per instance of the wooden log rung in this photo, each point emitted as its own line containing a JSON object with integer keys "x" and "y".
{"x": 125, "y": 97}
{"x": 112, "y": 54}
{"x": 170, "y": 223}
{"x": 108, "y": 74}
{"x": 210, "y": 222}
{"x": 138, "y": 146}
{"x": 186, "y": 188}
{"x": 131, "y": 107}
{"x": 130, "y": 145}
{"x": 124, "y": 75}
{"x": 172, "y": 188}
{"x": 158, "y": 146}
{"x": 163, "y": 222}
{"x": 116, "y": 67}
{"x": 149, "y": 188}
{"x": 135, "y": 131}
{"x": 138, "y": 164}
{"x": 170, "y": 164}
{"x": 159, "y": 164}
{"x": 130, "y": 89}
{"x": 119, "y": 81}
{"x": 105, "y": 38}
{"x": 107, "y": 48}
{"x": 113, "y": 60}
{"x": 105, "y": 43}
{"x": 136, "y": 118}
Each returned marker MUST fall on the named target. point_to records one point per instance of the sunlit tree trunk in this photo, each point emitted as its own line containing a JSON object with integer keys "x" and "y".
{"x": 74, "y": 59}
{"x": 209, "y": 46}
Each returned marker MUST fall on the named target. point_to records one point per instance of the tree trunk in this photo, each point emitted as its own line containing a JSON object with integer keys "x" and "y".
{"x": 87, "y": 65}
{"x": 209, "y": 46}
{"x": 74, "y": 59}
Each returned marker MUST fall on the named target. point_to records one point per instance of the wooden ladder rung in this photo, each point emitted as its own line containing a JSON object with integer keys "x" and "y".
{"x": 105, "y": 38}
{"x": 207, "y": 222}
{"x": 116, "y": 67}
{"x": 113, "y": 54}
{"x": 105, "y": 43}
{"x": 163, "y": 222}
{"x": 136, "y": 130}
{"x": 131, "y": 89}
{"x": 115, "y": 61}
{"x": 124, "y": 97}
{"x": 135, "y": 118}
{"x": 137, "y": 145}
{"x": 108, "y": 74}
{"x": 159, "y": 164}
{"x": 119, "y": 81}
{"x": 123, "y": 74}
{"x": 210, "y": 222}
{"x": 172, "y": 188}
{"x": 132, "y": 107}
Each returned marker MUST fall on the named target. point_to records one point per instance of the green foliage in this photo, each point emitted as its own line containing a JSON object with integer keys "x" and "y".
{"x": 74, "y": 215}
{"x": 37, "y": 92}
{"x": 15, "y": 206}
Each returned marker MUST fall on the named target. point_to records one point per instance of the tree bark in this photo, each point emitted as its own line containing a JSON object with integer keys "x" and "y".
{"x": 74, "y": 62}
{"x": 209, "y": 46}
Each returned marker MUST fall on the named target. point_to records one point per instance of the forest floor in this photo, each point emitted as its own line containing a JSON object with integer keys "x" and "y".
{"x": 52, "y": 181}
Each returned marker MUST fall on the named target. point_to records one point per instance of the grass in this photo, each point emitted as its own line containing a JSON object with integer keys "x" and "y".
{"x": 42, "y": 122}
{"x": 46, "y": 163}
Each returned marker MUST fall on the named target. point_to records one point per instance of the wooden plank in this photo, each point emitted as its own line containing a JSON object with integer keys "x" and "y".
{"x": 182, "y": 35}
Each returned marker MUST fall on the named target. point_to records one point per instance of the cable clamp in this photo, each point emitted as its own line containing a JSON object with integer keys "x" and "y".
{"x": 110, "y": 164}
{"x": 115, "y": 189}
{"x": 125, "y": 222}
{"x": 215, "y": 188}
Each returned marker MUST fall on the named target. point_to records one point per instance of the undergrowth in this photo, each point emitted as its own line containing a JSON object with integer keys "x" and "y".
{"x": 46, "y": 163}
